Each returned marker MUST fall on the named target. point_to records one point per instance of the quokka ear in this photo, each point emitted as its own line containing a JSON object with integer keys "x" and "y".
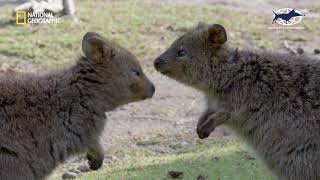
{"x": 96, "y": 48}
{"x": 217, "y": 34}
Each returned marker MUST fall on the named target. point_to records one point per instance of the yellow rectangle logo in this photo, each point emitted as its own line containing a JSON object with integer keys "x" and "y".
{"x": 21, "y": 15}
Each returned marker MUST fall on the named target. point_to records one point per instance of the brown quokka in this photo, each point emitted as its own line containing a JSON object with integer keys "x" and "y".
{"x": 271, "y": 99}
{"x": 46, "y": 119}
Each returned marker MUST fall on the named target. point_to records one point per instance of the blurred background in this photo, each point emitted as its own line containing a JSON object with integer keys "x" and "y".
{"x": 156, "y": 138}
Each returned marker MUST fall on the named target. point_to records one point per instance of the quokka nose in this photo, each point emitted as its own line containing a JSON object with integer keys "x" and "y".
{"x": 158, "y": 62}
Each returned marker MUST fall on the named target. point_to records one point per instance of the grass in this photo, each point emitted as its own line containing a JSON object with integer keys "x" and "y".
{"x": 144, "y": 28}
{"x": 217, "y": 160}
{"x": 221, "y": 160}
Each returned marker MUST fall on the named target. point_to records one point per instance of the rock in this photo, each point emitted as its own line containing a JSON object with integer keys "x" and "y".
{"x": 248, "y": 157}
{"x": 69, "y": 175}
{"x": 175, "y": 146}
{"x": 178, "y": 123}
{"x": 316, "y": 51}
{"x": 215, "y": 158}
{"x": 300, "y": 50}
{"x": 108, "y": 159}
{"x": 83, "y": 168}
{"x": 147, "y": 142}
{"x": 160, "y": 149}
{"x": 76, "y": 171}
{"x": 170, "y": 28}
{"x": 200, "y": 177}
{"x": 175, "y": 174}
{"x": 40, "y": 45}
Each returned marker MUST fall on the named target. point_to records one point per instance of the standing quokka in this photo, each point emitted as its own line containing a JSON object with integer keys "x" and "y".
{"x": 46, "y": 119}
{"x": 272, "y": 100}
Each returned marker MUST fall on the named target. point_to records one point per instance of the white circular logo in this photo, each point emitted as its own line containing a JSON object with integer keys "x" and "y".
{"x": 287, "y": 16}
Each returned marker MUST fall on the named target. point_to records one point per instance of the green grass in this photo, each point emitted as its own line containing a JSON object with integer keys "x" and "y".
{"x": 224, "y": 160}
{"x": 136, "y": 26}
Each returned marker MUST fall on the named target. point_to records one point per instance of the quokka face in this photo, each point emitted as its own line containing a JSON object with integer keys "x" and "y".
{"x": 190, "y": 56}
{"x": 119, "y": 66}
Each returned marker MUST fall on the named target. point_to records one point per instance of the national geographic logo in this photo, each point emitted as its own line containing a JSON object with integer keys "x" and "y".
{"x": 23, "y": 17}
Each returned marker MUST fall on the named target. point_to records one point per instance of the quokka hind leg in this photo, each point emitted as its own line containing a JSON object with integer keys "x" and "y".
{"x": 11, "y": 168}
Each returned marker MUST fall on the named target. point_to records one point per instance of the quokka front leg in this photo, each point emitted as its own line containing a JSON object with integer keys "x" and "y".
{"x": 209, "y": 111}
{"x": 208, "y": 122}
{"x": 95, "y": 156}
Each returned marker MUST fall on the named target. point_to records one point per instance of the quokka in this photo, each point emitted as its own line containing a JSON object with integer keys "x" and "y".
{"x": 270, "y": 99}
{"x": 46, "y": 119}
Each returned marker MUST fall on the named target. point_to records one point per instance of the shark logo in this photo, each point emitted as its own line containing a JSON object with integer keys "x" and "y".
{"x": 287, "y": 16}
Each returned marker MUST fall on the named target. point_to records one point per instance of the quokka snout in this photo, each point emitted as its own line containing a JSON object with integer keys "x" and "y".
{"x": 46, "y": 119}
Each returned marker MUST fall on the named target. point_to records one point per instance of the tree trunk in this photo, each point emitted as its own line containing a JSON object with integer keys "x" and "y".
{"x": 69, "y": 8}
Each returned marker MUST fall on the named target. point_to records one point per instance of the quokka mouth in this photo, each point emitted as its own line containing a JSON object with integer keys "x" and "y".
{"x": 165, "y": 72}
{"x": 160, "y": 68}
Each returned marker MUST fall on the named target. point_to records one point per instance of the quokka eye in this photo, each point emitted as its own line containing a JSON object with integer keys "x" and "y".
{"x": 135, "y": 72}
{"x": 182, "y": 53}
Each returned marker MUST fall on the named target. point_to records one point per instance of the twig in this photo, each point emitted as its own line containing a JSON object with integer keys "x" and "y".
{"x": 289, "y": 48}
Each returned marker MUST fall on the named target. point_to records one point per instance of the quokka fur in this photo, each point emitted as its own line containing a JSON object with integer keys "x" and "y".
{"x": 46, "y": 119}
{"x": 270, "y": 99}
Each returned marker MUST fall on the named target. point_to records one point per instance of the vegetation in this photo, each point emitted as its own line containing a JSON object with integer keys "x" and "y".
{"x": 144, "y": 28}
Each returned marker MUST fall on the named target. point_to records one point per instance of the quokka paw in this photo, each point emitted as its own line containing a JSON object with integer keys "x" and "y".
{"x": 94, "y": 163}
{"x": 204, "y": 127}
{"x": 203, "y": 132}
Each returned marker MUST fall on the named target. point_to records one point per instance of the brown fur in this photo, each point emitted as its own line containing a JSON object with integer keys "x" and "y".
{"x": 272, "y": 100}
{"x": 46, "y": 119}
